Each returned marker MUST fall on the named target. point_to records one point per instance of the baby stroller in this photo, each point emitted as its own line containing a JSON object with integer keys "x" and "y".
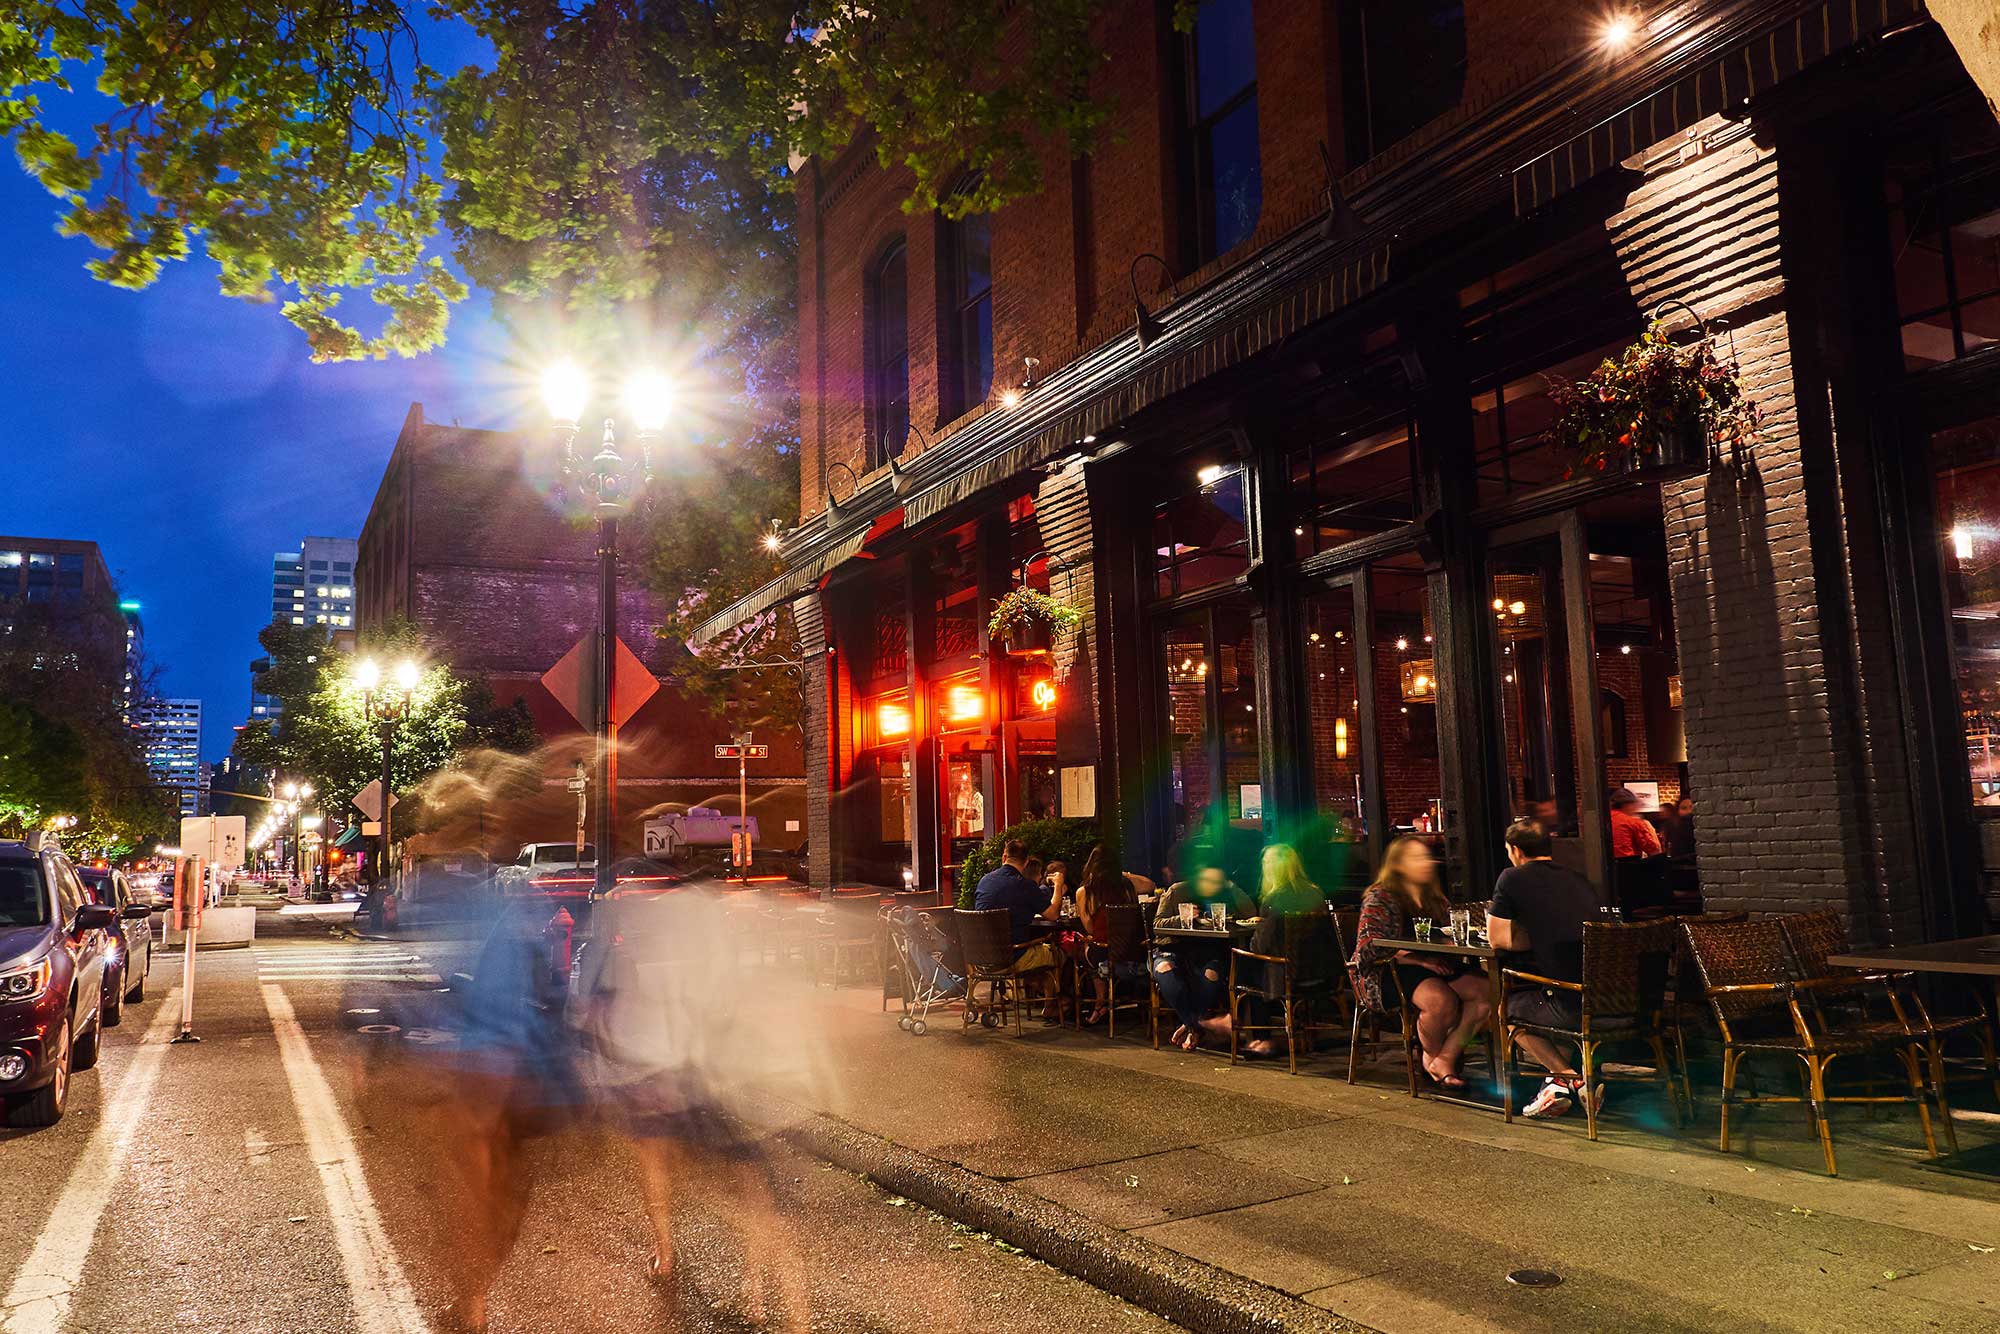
{"x": 920, "y": 949}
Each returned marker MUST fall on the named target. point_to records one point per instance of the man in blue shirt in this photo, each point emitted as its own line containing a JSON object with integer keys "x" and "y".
{"x": 1029, "y": 906}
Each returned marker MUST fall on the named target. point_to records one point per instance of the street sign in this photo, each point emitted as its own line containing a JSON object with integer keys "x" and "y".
{"x": 217, "y": 839}
{"x": 573, "y": 682}
{"x": 369, "y": 800}
{"x": 740, "y": 752}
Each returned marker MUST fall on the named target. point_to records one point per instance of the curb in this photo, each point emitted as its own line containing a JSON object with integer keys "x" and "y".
{"x": 1188, "y": 1292}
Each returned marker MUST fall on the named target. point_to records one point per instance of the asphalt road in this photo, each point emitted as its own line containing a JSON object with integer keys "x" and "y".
{"x": 302, "y": 1168}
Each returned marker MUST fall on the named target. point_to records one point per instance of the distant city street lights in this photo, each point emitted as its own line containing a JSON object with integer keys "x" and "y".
{"x": 612, "y": 483}
{"x": 386, "y": 703}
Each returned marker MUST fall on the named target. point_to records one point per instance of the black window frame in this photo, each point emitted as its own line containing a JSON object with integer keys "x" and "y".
{"x": 1360, "y": 73}
{"x": 888, "y": 399}
{"x": 1199, "y": 201}
{"x": 959, "y": 389}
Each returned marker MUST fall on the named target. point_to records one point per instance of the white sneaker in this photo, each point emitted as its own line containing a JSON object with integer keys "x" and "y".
{"x": 1552, "y": 1100}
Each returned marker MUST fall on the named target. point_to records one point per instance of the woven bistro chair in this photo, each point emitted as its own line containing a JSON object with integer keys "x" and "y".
{"x": 1298, "y": 973}
{"x": 1812, "y": 938}
{"x": 1621, "y": 999}
{"x": 852, "y": 932}
{"x": 1125, "y": 946}
{"x": 1366, "y": 1024}
{"x": 1757, "y": 1008}
{"x": 986, "y": 938}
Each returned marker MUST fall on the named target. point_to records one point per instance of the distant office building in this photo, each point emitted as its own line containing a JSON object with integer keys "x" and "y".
{"x": 311, "y": 586}
{"x": 64, "y": 582}
{"x": 170, "y": 740}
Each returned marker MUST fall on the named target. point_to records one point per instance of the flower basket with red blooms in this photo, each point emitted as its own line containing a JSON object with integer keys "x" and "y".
{"x": 1019, "y": 613}
{"x": 1657, "y": 405}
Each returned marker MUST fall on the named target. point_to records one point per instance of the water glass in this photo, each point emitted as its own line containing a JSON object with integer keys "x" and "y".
{"x": 1461, "y": 925}
{"x": 1219, "y": 912}
{"x": 1187, "y": 916}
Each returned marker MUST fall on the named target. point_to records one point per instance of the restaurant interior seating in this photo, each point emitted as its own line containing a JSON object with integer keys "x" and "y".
{"x": 1621, "y": 999}
{"x": 1758, "y": 1009}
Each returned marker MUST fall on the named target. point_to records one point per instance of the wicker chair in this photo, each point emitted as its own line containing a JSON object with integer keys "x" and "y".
{"x": 1297, "y": 971}
{"x": 1125, "y": 945}
{"x": 1812, "y": 938}
{"x": 852, "y": 931}
{"x": 987, "y": 940}
{"x": 1758, "y": 1007}
{"x": 1621, "y": 999}
{"x": 1365, "y": 1025}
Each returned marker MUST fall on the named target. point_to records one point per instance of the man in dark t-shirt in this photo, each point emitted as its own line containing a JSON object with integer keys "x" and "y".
{"x": 1538, "y": 910}
{"x": 1007, "y": 886}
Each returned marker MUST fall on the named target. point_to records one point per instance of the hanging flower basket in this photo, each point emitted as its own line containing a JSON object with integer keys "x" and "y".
{"x": 1659, "y": 407}
{"x": 1027, "y": 620}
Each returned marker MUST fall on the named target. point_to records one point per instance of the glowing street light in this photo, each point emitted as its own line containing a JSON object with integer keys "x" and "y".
{"x": 386, "y": 705}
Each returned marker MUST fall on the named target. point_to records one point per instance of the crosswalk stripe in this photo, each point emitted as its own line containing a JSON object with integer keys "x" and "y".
{"x": 430, "y": 979}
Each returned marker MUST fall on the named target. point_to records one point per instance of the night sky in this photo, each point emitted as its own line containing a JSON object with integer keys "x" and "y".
{"x": 190, "y": 436}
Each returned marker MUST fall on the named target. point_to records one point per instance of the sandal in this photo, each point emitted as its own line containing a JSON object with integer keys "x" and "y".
{"x": 1094, "y": 1018}
{"x": 656, "y": 1269}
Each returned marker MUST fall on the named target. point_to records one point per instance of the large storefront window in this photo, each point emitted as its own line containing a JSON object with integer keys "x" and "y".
{"x": 1202, "y": 538}
{"x": 1214, "y": 764}
{"x": 1355, "y": 477}
{"x": 1510, "y": 425}
{"x": 1406, "y": 699}
{"x": 1966, "y": 465}
{"x": 1944, "y": 224}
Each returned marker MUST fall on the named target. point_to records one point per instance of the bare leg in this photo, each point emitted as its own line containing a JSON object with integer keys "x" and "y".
{"x": 1437, "y": 1022}
{"x": 659, "y": 1168}
{"x": 492, "y": 1175}
{"x": 1546, "y": 1053}
{"x": 1474, "y": 1009}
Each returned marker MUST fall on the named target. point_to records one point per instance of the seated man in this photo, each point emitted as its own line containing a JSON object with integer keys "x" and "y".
{"x": 1539, "y": 909}
{"x": 1193, "y": 975}
{"x": 1030, "y": 908}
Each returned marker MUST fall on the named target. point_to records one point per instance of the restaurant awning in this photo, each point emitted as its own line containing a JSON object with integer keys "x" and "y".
{"x": 1733, "y": 58}
{"x": 348, "y": 837}
{"x": 787, "y": 585}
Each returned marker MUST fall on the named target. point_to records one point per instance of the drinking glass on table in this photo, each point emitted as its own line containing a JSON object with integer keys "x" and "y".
{"x": 1187, "y": 916}
{"x": 1423, "y": 928}
{"x": 1461, "y": 926}
{"x": 1219, "y": 912}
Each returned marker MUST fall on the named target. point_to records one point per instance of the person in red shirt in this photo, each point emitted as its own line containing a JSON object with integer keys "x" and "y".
{"x": 1632, "y": 835}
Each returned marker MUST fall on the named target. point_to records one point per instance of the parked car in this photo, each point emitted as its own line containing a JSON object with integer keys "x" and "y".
{"x": 53, "y": 946}
{"x": 131, "y": 938}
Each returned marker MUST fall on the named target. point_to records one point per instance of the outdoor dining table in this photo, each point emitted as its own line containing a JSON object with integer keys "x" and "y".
{"x": 1490, "y": 960}
{"x": 1239, "y": 928}
{"x": 1975, "y": 956}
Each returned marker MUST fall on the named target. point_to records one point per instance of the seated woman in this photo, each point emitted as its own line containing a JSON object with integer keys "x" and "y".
{"x": 1450, "y": 1004}
{"x": 1284, "y": 891}
{"x": 1104, "y": 885}
{"x": 1193, "y": 975}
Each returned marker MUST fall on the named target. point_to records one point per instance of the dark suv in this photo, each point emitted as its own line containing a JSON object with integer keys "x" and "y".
{"x": 53, "y": 947}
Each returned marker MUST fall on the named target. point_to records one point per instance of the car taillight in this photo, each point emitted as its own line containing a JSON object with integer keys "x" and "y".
{"x": 26, "y": 983}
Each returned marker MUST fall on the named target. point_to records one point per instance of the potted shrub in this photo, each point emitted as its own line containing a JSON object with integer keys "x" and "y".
{"x": 1657, "y": 406}
{"x": 1028, "y": 620}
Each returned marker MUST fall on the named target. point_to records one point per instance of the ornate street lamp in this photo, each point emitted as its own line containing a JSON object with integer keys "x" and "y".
{"x": 385, "y": 703}
{"x": 612, "y": 483}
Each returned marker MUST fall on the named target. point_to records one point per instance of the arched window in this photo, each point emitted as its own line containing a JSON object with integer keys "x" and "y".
{"x": 889, "y": 355}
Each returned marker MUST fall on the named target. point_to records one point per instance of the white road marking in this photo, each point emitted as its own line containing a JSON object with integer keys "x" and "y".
{"x": 383, "y": 1300}
{"x": 38, "y": 1302}
{"x": 342, "y": 963}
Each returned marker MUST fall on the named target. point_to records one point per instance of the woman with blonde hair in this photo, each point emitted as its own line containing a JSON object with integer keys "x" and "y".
{"x": 1451, "y": 1004}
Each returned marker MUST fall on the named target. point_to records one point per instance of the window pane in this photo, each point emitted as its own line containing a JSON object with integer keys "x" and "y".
{"x": 1406, "y": 701}
{"x": 1237, "y": 185}
{"x": 1943, "y": 191}
{"x": 1184, "y": 660}
{"x": 1333, "y": 703}
{"x": 1967, "y": 466}
{"x": 1404, "y": 67}
{"x": 1225, "y": 53}
{"x": 1202, "y": 538}
{"x": 892, "y": 354}
{"x": 976, "y": 347}
{"x": 972, "y": 252}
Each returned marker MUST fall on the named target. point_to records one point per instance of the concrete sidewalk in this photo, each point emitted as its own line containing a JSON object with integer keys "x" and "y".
{"x": 1408, "y": 1216}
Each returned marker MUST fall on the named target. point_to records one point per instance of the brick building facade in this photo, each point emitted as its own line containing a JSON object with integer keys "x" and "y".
{"x": 465, "y": 540}
{"x": 1286, "y": 431}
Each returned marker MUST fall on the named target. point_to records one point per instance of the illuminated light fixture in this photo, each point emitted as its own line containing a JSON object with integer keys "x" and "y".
{"x": 128, "y": 606}
{"x": 649, "y": 400}
{"x": 407, "y": 675}
{"x": 1299, "y": 531}
{"x": 1499, "y": 604}
{"x": 963, "y": 704}
{"x": 1419, "y": 681}
{"x": 1010, "y": 399}
{"x": 1340, "y": 738}
{"x": 367, "y": 674}
{"x": 1618, "y": 32}
{"x": 1044, "y": 694}
{"x": 892, "y": 720}
{"x": 565, "y": 389}
{"x": 1625, "y": 648}
{"x": 772, "y": 539}
{"x": 1402, "y": 644}
{"x": 1518, "y": 608}
{"x": 1209, "y": 475}
{"x": 1088, "y": 440}
{"x": 1314, "y": 636}
{"x": 1961, "y": 542}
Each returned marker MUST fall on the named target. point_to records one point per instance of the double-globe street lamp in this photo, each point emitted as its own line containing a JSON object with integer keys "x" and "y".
{"x": 385, "y": 702}
{"x": 612, "y": 483}
{"x": 296, "y": 795}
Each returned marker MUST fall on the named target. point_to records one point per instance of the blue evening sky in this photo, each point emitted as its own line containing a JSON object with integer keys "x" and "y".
{"x": 191, "y": 437}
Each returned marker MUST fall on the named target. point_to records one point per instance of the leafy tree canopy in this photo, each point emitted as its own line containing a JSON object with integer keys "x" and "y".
{"x": 315, "y": 153}
{"x": 323, "y": 736}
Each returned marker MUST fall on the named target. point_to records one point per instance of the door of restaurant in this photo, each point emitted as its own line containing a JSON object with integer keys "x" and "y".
{"x": 1212, "y": 762}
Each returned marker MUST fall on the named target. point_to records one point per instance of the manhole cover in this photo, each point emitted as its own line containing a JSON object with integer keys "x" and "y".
{"x": 430, "y": 1037}
{"x": 379, "y": 1028}
{"x": 1535, "y": 1278}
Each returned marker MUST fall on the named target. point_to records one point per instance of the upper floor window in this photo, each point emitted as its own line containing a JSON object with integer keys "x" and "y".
{"x": 966, "y": 372}
{"x": 889, "y": 355}
{"x": 1402, "y": 66}
{"x": 1226, "y": 174}
{"x": 1944, "y": 217}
